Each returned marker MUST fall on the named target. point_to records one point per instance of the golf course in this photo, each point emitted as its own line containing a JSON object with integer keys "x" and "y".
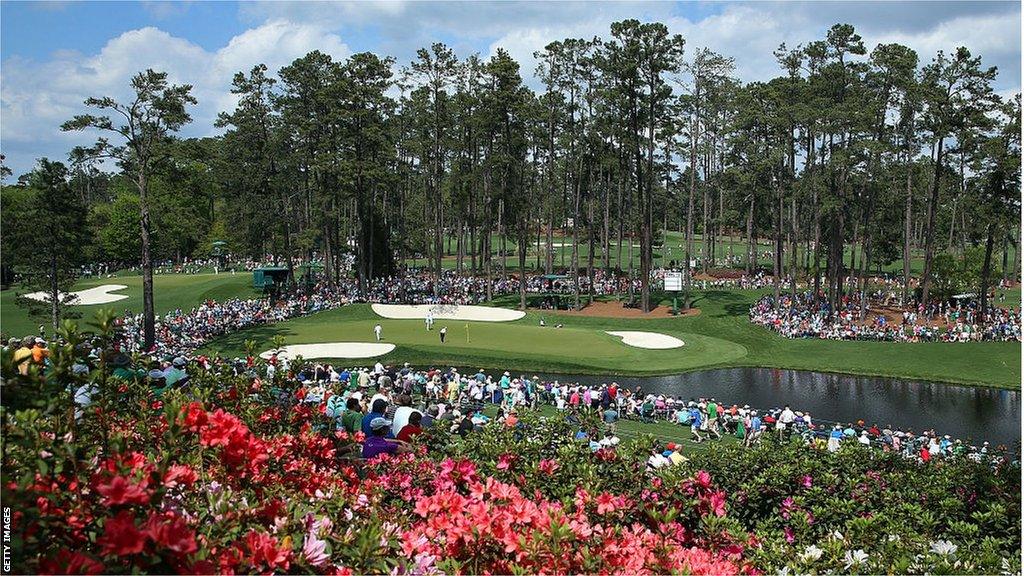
{"x": 719, "y": 336}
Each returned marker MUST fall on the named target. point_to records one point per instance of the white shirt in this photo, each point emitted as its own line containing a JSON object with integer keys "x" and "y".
{"x": 658, "y": 460}
{"x": 787, "y": 416}
{"x": 401, "y": 418}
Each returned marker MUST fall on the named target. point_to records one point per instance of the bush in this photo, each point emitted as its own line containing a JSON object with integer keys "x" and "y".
{"x": 240, "y": 476}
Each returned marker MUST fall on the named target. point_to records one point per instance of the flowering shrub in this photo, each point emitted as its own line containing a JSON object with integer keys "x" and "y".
{"x": 870, "y": 511}
{"x": 234, "y": 478}
{"x": 210, "y": 485}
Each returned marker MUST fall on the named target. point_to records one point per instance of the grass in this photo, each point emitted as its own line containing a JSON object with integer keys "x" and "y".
{"x": 720, "y": 336}
{"x": 170, "y": 291}
{"x": 674, "y": 249}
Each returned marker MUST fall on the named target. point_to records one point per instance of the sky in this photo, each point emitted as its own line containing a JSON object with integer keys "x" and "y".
{"x": 53, "y": 55}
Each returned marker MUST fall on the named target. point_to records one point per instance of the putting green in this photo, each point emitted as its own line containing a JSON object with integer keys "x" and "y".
{"x": 491, "y": 345}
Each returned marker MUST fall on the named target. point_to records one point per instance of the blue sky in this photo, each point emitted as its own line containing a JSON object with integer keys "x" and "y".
{"x": 55, "y": 54}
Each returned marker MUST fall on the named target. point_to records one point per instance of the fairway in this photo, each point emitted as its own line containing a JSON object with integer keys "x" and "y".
{"x": 720, "y": 336}
{"x": 490, "y": 345}
{"x": 170, "y": 291}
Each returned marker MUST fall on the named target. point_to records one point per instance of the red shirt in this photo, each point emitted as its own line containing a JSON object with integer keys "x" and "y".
{"x": 408, "y": 431}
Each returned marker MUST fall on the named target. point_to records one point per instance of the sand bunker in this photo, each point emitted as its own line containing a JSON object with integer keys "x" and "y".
{"x": 650, "y": 340}
{"x": 447, "y": 312}
{"x": 334, "y": 350}
{"x": 97, "y": 295}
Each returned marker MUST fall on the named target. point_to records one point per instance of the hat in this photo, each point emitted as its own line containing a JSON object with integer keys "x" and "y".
{"x": 671, "y": 446}
{"x": 120, "y": 359}
{"x": 156, "y": 375}
{"x": 178, "y": 362}
{"x": 666, "y": 453}
{"x": 39, "y": 340}
{"x": 506, "y": 373}
{"x": 356, "y": 395}
{"x": 378, "y": 423}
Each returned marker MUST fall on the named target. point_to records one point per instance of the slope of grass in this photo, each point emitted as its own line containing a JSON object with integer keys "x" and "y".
{"x": 720, "y": 336}
{"x": 170, "y": 291}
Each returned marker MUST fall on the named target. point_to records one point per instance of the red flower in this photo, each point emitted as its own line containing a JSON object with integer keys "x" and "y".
{"x": 119, "y": 490}
{"x": 717, "y": 502}
{"x": 179, "y": 474}
{"x": 263, "y": 551}
{"x": 505, "y": 461}
{"x": 170, "y": 531}
{"x": 605, "y": 503}
{"x": 221, "y": 429}
{"x": 547, "y": 466}
{"x": 703, "y": 479}
{"x": 120, "y": 536}
{"x": 68, "y": 562}
{"x": 195, "y": 416}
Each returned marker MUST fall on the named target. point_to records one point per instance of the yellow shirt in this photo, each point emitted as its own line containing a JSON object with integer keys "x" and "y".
{"x": 676, "y": 458}
{"x": 22, "y": 354}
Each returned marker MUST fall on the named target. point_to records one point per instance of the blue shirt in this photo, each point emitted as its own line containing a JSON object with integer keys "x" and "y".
{"x": 695, "y": 419}
{"x": 755, "y": 423}
{"x": 365, "y": 425}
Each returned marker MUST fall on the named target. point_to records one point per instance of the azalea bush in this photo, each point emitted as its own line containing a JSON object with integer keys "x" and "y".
{"x": 238, "y": 475}
{"x": 235, "y": 478}
{"x": 870, "y": 511}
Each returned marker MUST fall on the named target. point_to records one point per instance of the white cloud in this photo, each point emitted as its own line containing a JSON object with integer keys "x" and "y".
{"x": 35, "y": 98}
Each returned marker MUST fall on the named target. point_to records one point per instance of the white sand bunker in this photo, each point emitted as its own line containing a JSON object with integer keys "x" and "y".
{"x": 97, "y": 295}
{"x": 651, "y": 340}
{"x": 333, "y": 350}
{"x": 447, "y": 312}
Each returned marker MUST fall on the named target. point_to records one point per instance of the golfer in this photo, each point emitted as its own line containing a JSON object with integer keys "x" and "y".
{"x": 429, "y": 320}
{"x": 443, "y": 332}
{"x": 377, "y": 330}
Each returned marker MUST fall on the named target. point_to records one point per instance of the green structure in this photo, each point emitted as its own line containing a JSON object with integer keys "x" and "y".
{"x": 311, "y": 272}
{"x": 269, "y": 277}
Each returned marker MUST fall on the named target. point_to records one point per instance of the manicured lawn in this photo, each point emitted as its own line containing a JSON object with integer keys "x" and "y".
{"x": 170, "y": 291}
{"x": 524, "y": 343}
{"x": 674, "y": 249}
{"x": 720, "y": 336}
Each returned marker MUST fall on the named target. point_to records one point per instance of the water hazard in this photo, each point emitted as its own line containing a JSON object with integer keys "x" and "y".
{"x": 970, "y": 413}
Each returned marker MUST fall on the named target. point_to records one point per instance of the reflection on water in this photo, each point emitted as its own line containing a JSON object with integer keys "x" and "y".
{"x": 960, "y": 411}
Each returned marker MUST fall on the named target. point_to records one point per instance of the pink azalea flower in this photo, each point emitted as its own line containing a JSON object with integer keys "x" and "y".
{"x": 314, "y": 550}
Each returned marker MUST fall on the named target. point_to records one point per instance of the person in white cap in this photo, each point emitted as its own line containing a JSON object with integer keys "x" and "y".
{"x": 376, "y": 443}
{"x": 864, "y": 438}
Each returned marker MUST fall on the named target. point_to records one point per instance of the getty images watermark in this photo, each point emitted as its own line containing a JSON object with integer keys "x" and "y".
{"x": 7, "y": 539}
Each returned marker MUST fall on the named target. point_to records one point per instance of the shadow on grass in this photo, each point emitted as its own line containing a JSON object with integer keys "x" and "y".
{"x": 732, "y": 303}
{"x": 235, "y": 343}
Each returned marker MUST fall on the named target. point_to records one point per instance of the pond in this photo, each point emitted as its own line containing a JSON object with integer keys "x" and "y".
{"x": 970, "y": 413}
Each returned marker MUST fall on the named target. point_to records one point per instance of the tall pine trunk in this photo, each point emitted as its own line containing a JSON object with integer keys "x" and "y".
{"x": 929, "y": 238}
{"x": 148, "y": 310}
